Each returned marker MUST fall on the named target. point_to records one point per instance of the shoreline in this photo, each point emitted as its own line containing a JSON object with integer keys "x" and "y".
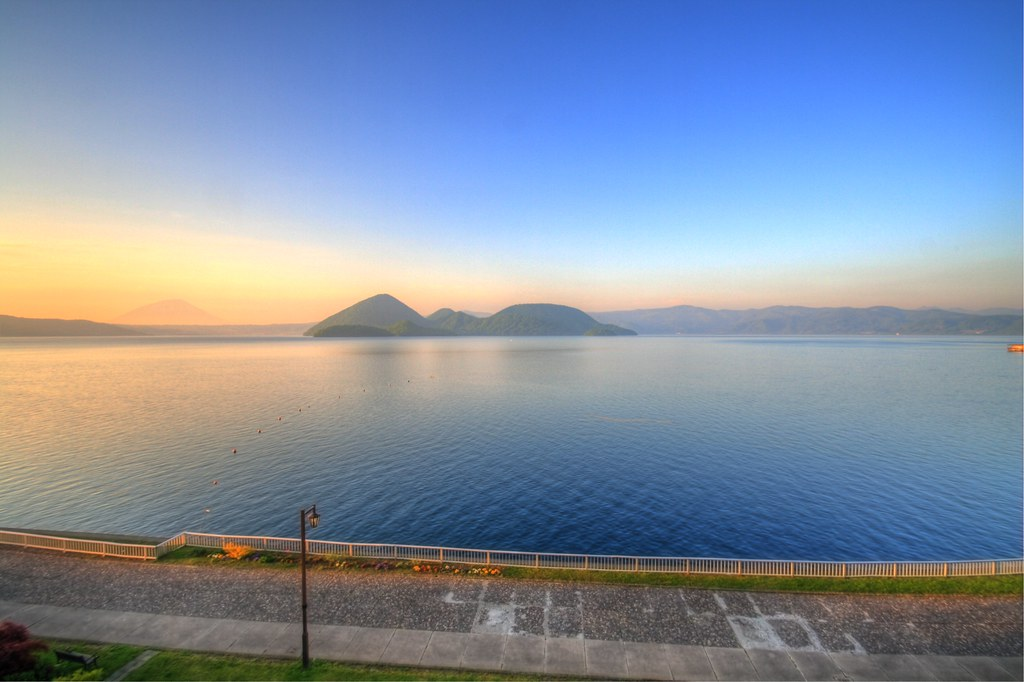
{"x": 970, "y": 578}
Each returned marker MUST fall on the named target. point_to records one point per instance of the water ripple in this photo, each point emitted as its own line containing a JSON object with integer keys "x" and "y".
{"x": 857, "y": 449}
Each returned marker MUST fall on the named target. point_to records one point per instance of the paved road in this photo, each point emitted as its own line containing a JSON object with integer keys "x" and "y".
{"x": 834, "y": 624}
{"x": 571, "y": 657}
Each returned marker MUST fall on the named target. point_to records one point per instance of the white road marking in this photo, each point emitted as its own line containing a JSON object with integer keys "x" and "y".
{"x": 758, "y": 631}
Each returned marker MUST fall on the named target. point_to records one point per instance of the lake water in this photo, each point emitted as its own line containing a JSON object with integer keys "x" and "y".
{"x": 814, "y": 448}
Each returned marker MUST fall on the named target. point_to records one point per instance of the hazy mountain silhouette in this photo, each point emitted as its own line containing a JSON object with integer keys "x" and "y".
{"x": 28, "y": 326}
{"x": 174, "y": 312}
{"x": 797, "y": 320}
{"x": 987, "y": 311}
{"x": 387, "y": 316}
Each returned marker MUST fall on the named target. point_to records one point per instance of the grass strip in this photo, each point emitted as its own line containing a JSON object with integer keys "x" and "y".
{"x": 109, "y": 659}
{"x": 183, "y": 665}
{"x": 973, "y": 586}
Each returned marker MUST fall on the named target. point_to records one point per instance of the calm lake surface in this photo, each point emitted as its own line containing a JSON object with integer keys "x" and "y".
{"x": 779, "y": 448}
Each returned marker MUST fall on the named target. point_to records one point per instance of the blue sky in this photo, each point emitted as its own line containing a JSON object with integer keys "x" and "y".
{"x": 277, "y": 161}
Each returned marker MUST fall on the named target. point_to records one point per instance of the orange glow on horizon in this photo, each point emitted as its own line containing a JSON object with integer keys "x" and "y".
{"x": 99, "y": 265}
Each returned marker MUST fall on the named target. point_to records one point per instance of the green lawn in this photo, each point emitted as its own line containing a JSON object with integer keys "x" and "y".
{"x": 109, "y": 659}
{"x": 180, "y": 665}
{"x": 983, "y": 585}
{"x": 185, "y": 665}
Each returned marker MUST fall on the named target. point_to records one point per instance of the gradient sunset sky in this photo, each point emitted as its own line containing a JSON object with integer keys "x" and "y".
{"x": 279, "y": 161}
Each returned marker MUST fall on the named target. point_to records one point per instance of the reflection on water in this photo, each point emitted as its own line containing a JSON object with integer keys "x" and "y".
{"x": 796, "y": 448}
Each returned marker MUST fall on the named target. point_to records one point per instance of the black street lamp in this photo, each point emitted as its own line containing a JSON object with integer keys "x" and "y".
{"x": 314, "y": 520}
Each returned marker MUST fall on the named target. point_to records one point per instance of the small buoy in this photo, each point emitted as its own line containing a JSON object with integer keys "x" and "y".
{"x": 206, "y": 511}
{"x": 278, "y": 419}
{"x": 259, "y": 430}
{"x": 234, "y": 451}
{"x": 216, "y": 482}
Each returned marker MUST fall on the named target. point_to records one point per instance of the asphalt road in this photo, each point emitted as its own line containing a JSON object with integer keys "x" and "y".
{"x": 957, "y": 625}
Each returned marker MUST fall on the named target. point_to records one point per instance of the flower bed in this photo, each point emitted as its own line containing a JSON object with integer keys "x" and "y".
{"x": 245, "y": 554}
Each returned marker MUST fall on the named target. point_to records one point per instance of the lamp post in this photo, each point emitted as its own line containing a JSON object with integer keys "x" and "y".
{"x": 314, "y": 520}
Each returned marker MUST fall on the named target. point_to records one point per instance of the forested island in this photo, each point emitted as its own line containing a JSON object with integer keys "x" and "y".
{"x": 385, "y": 315}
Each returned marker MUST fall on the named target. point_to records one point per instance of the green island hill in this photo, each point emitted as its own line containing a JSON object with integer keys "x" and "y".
{"x": 384, "y": 315}
{"x": 352, "y": 331}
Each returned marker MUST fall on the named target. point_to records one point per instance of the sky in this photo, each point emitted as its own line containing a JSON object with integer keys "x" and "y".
{"x": 280, "y": 161}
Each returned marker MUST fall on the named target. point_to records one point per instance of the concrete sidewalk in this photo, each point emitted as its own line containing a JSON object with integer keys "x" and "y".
{"x": 572, "y": 657}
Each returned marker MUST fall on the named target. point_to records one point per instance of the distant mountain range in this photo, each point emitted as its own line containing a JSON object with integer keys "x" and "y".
{"x": 796, "y": 320}
{"x": 27, "y": 326}
{"x": 385, "y": 315}
{"x": 170, "y": 312}
{"x": 986, "y": 311}
{"x": 286, "y": 329}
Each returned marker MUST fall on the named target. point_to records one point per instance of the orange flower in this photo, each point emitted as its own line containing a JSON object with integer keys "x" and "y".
{"x": 236, "y": 551}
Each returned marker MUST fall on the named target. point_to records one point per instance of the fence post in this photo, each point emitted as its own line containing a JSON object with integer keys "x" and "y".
{"x": 945, "y": 570}
{"x": 993, "y": 568}
{"x": 687, "y": 567}
{"x": 792, "y": 568}
{"x": 895, "y": 570}
{"x": 636, "y": 565}
{"x": 440, "y": 551}
{"x": 488, "y": 557}
{"x": 586, "y": 562}
{"x": 739, "y": 567}
{"x": 536, "y": 560}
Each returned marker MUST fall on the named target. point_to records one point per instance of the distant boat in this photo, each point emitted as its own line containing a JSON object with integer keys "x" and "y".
{"x": 1016, "y": 348}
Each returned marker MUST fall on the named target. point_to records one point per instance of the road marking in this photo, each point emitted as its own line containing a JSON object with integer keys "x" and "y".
{"x": 500, "y": 617}
{"x": 759, "y": 631}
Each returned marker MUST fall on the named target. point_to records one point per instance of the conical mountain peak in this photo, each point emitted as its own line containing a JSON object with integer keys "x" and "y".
{"x": 171, "y": 311}
{"x": 382, "y": 310}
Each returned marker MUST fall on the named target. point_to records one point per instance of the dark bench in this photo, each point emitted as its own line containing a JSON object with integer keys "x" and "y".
{"x": 76, "y": 657}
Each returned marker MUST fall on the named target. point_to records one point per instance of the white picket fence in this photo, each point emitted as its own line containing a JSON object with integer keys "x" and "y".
{"x": 486, "y": 557}
{"x": 78, "y": 545}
